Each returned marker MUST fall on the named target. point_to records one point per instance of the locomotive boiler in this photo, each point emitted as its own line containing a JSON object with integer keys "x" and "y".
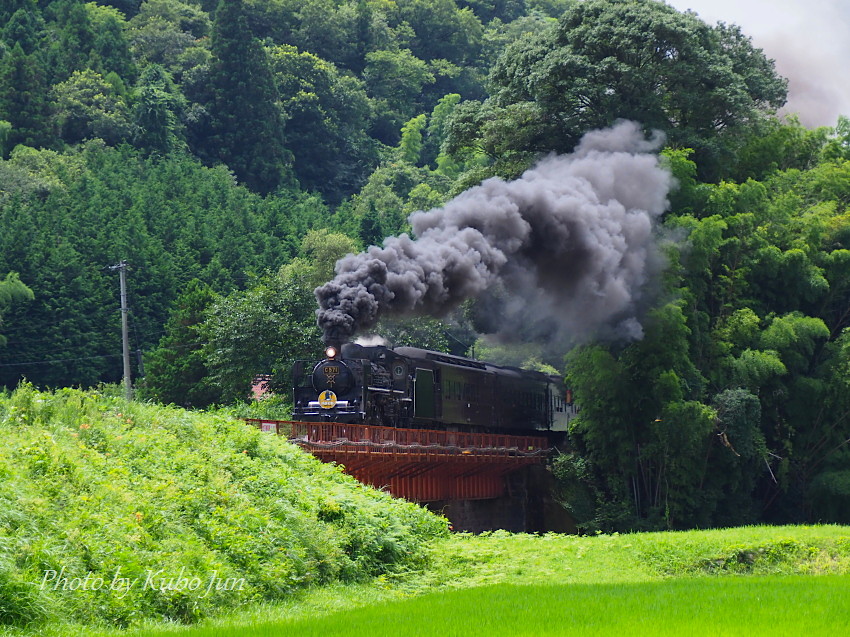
{"x": 410, "y": 387}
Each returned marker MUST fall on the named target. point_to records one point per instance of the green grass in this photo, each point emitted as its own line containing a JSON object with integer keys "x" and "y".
{"x": 794, "y": 605}
{"x": 745, "y": 581}
{"x": 97, "y": 488}
{"x": 93, "y": 483}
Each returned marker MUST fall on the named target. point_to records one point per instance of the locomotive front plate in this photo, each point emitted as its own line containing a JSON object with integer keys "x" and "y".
{"x": 327, "y": 400}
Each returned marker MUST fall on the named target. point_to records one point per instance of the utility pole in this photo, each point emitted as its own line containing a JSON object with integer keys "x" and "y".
{"x": 125, "y": 338}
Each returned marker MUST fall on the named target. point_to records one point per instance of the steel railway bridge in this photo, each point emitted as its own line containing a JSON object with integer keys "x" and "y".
{"x": 417, "y": 464}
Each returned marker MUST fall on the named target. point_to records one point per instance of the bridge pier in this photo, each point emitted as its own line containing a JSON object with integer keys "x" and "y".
{"x": 527, "y": 506}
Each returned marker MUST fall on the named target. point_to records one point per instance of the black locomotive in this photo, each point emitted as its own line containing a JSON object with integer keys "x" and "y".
{"x": 415, "y": 388}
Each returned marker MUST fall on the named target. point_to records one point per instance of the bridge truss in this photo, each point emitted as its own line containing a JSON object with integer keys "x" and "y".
{"x": 417, "y": 464}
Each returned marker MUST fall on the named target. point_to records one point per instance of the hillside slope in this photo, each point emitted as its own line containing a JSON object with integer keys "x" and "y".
{"x": 114, "y": 512}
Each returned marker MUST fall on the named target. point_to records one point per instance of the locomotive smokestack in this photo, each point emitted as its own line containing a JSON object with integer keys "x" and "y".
{"x": 572, "y": 238}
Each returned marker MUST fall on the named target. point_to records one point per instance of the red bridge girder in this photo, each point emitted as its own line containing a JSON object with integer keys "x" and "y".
{"x": 417, "y": 464}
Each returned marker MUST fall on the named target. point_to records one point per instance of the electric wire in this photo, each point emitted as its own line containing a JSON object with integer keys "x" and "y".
{"x": 61, "y": 360}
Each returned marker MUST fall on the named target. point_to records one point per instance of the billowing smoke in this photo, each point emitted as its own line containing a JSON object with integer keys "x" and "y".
{"x": 571, "y": 239}
{"x": 810, "y": 42}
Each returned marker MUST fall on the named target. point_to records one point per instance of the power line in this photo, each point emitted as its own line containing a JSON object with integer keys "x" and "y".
{"x": 61, "y": 360}
{"x": 18, "y": 343}
{"x": 172, "y": 348}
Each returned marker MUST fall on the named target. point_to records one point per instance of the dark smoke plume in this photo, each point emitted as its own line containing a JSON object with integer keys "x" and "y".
{"x": 572, "y": 240}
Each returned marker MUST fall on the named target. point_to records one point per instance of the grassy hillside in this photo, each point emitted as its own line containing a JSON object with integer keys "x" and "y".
{"x": 113, "y": 513}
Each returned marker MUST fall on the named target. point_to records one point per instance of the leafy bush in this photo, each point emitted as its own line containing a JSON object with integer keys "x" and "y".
{"x": 201, "y": 511}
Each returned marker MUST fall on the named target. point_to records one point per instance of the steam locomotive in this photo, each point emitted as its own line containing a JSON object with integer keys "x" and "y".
{"x": 410, "y": 387}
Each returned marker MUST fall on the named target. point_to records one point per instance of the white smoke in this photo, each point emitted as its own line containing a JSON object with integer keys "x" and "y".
{"x": 809, "y": 41}
{"x": 570, "y": 242}
{"x": 371, "y": 340}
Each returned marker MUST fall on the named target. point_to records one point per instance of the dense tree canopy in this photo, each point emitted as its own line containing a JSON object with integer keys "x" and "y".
{"x": 24, "y": 99}
{"x": 11, "y": 291}
{"x": 66, "y": 218}
{"x": 246, "y": 122}
{"x": 231, "y": 151}
{"x": 753, "y": 388}
{"x": 612, "y": 59}
{"x": 327, "y": 115}
{"x": 89, "y": 108}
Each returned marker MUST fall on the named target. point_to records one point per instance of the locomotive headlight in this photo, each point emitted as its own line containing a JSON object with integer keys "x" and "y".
{"x": 330, "y": 352}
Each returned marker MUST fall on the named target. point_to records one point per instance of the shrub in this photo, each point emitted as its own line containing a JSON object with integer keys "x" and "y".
{"x": 201, "y": 511}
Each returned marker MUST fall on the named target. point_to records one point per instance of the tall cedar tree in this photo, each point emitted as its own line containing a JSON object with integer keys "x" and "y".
{"x": 71, "y": 39}
{"x": 176, "y": 371}
{"x": 23, "y": 100}
{"x": 24, "y": 26}
{"x": 12, "y": 290}
{"x": 246, "y": 121}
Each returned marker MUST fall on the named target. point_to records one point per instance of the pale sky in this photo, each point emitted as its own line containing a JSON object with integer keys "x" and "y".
{"x": 809, "y": 41}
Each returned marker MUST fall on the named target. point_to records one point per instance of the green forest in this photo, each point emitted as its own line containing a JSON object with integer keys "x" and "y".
{"x": 230, "y": 151}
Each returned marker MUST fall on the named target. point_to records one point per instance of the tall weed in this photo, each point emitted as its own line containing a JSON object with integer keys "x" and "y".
{"x": 202, "y": 512}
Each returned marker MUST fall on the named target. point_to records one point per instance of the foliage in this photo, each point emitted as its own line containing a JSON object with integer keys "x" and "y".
{"x": 24, "y": 100}
{"x": 410, "y": 146}
{"x": 394, "y": 80}
{"x": 12, "y": 291}
{"x": 176, "y": 371}
{"x": 392, "y": 192}
{"x": 702, "y": 86}
{"x": 751, "y": 402}
{"x": 265, "y": 328}
{"x": 525, "y": 355}
{"x": 100, "y": 486}
{"x": 158, "y": 109}
{"x": 69, "y": 216}
{"x": 88, "y": 107}
{"x": 321, "y": 249}
{"x": 246, "y": 123}
{"x": 425, "y": 332}
{"x": 340, "y": 118}
{"x": 24, "y": 25}
{"x": 631, "y": 583}
{"x": 110, "y": 47}
{"x": 172, "y": 34}
{"x": 327, "y": 114}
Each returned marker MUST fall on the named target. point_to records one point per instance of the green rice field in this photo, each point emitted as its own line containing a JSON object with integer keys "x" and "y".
{"x": 772, "y": 605}
{"x": 791, "y": 580}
